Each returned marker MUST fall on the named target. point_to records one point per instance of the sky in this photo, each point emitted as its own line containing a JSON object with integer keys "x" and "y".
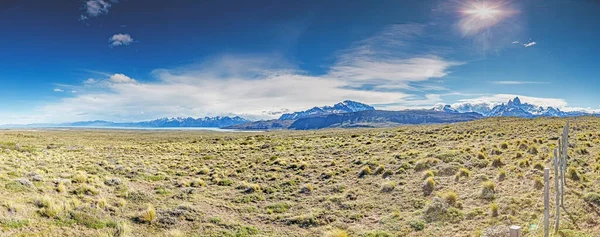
{"x": 134, "y": 60}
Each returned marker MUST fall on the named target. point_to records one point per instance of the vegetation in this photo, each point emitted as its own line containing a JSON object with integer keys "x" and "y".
{"x": 470, "y": 179}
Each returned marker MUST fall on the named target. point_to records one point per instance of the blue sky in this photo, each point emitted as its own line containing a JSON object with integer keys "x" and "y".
{"x": 131, "y": 60}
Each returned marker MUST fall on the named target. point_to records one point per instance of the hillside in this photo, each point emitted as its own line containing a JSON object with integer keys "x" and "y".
{"x": 468, "y": 179}
{"x": 379, "y": 118}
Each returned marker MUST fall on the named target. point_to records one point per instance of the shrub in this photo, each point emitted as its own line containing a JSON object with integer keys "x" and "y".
{"x": 488, "y": 189}
{"x": 463, "y": 172}
{"x": 436, "y": 210}
{"x": 224, "y": 182}
{"x": 592, "y": 198}
{"x": 497, "y": 162}
{"x": 379, "y": 170}
{"x": 337, "y": 233}
{"x": 450, "y": 197}
{"x": 278, "y": 207}
{"x": 428, "y": 174}
{"x": 533, "y": 150}
{"x": 538, "y": 166}
{"x": 428, "y": 186}
{"x": 147, "y": 215}
{"x": 573, "y": 174}
{"x": 197, "y": 183}
{"x": 388, "y": 187}
{"x": 364, "y": 171}
{"x": 308, "y": 188}
{"x": 61, "y": 188}
{"x": 481, "y": 156}
{"x": 494, "y": 209}
{"x": 502, "y": 175}
{"x": 538, "y": 183}
{"x": 504, "y": 145}
{"x": 49, "y": 208}
{"x": 417, "y": 225}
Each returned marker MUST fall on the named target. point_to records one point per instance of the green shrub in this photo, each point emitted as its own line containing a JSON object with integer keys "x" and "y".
{"x": 428, "y": 186}
{"x": 488, "y": 189}
{"x": 573, "y": 174}
{"x": 592, "y": 198}
{"x": 388, "y": 187}
{"x": 450, "y": 197}
{"x": 417, "y": 225}
{"x": 364, "y": 171}
{"x": 494, "y": 209}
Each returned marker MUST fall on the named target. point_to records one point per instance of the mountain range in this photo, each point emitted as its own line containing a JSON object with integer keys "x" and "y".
{"x": 513, "y": 108}
{"x": 345, "y": 114}
{"x": 346, "y": 106}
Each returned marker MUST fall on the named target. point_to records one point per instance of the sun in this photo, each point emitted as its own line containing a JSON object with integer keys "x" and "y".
{"x": 483, "y": 11}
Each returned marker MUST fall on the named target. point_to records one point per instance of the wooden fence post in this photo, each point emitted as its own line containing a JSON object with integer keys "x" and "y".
{"x": 546, "y": 201}
{"x": 557, "y": 190}
{"x": 515, "y": 231}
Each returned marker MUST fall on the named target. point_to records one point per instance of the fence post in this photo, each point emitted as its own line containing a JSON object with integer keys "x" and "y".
{"x": 557, "y": 190}
{"x": 546, "y": 201}
{"x": 515, "y": 231}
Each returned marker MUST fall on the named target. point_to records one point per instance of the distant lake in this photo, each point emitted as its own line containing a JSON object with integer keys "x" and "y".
{"x": 136, "y": 128}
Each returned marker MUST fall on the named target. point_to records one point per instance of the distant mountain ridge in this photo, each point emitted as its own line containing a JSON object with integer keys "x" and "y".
{"x": 381, "y": 118}
{"x": 514, "y": 108}
{"x": 346, "y": 106}
{"x": 217, "y": 122}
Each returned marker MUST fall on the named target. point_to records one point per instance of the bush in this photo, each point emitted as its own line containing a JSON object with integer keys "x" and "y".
{"x": 504, "y": 145}
{"x": 337, "y": 233}
{"x": 592, "y": 198}
{"x": 379, "y": 170}
{"x": 450, "y": 197}
{"x": 364, "y": 171}
{"x": 497, "y": 162}
{"x": 428, "y": 186}
{"x": 502, "y": 175}
{"x": 388, "y": 187}
{"x": 494, "y": 209}
{"x": 488, "y": 190}
{"x": 538, "y": 183}
{"x": 308, "y": 188}
{"x": 538, "y": 166}
{"x": 573, "y": 174}
{"x": 417, "y": 225}
{"x": 224, "y": 182}
{"x": 462, "y": 172}
{"x": 147, "y": 215}
{"x": 428, "y": 174}
{"x": 481, "y": 156}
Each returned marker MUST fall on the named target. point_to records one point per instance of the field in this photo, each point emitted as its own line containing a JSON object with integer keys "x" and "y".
{"x": 465, "y": 179}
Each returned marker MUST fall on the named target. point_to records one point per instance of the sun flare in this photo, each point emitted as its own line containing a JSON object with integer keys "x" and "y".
{"x": 483, "y": 12}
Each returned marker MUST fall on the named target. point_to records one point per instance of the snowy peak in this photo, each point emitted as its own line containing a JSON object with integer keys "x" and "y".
{"x": 514, "y": 108}
{"x": 444, "y": 108}
{"x": 346, "y": 106}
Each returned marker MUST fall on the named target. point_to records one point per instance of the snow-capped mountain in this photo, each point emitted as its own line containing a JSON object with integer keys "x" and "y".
{"x": 345, "y": 106}
{"x": 513, "y": 108}
{"x": 444, "y": 108}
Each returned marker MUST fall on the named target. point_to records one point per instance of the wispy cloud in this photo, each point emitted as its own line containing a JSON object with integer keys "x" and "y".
{"x": 518, "y": 82}
{"x": 58, "y": 90}
{"x": 94, "y": 8}
{"x": 261, "y": 86}
{"x": 529, "y": 44}
{"x": 120, "y": 40}
{"x": 516, "y": 42}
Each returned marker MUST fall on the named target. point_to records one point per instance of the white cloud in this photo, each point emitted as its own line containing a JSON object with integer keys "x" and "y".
{"x": 120, "y": 40}
{"x": 121, "y": 78}
{"x": 516, "y": 42}
{"x": 262, "y": 86}
{"x": 89, "y": 81}
{"x": 94, "y": 8}
{"x": 529, "y": 44}
{"x": 58, "y": 90}
{"x": 517, "y": 82}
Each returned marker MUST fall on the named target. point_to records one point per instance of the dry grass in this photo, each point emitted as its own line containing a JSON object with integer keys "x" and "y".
{"x": 466, "y": 179}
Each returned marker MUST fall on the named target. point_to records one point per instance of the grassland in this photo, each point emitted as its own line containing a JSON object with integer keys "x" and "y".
{"x": 465, "y": 179}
